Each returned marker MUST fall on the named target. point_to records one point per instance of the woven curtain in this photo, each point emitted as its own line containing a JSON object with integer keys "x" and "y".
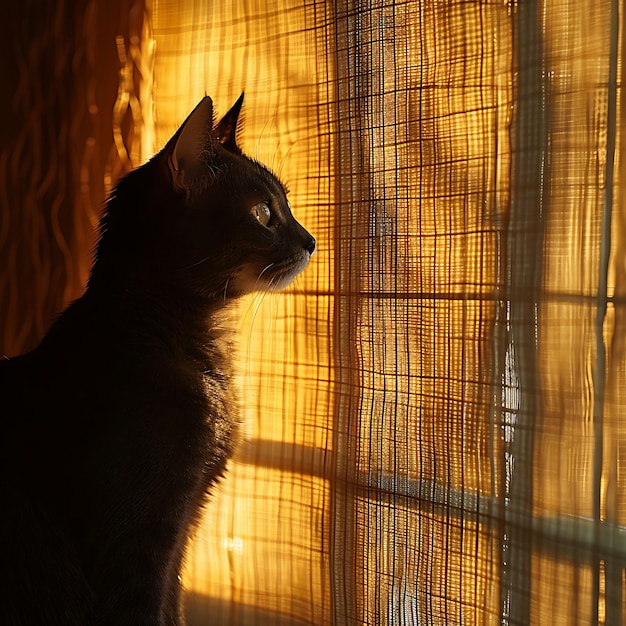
{"x": 433, "y": 416}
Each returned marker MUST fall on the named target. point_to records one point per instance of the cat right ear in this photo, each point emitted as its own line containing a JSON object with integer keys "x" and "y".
{"x": 225, "y": 132}
{"x": 189, "y": 142}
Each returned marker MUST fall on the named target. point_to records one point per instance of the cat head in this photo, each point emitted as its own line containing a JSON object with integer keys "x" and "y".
{"x": 202, "y": 217}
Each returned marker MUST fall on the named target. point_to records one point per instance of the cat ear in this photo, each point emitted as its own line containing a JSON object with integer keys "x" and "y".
{"x": 225, "y": 132}
{"x": 190, "y": 141}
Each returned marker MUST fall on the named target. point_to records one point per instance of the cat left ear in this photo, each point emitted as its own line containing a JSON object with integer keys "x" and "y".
{"x": 225, "y": 132}
{"x": 189, "y": 141}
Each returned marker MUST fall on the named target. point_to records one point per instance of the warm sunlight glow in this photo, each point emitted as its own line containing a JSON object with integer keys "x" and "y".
{"x": 433, "y": 415}
{"x": 261, "y": 539}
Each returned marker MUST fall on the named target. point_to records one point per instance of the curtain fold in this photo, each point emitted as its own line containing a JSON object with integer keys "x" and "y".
{"x": 427, "y": 99}
{"x": 60, "y": 75}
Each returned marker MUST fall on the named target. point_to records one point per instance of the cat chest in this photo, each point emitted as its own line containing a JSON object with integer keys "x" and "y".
{"x": 221, "y": 413}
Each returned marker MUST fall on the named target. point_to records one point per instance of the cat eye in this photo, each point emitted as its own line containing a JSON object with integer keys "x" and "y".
{"x": 262, "y": 213}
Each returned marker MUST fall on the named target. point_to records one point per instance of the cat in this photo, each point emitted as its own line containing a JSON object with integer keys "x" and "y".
{"x": 118, "y": 423}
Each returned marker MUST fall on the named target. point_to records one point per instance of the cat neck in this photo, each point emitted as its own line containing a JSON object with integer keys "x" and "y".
{"x": 141, "y": 322}
{"x": 162, "y": 307}
{"x": 150, "y": 290}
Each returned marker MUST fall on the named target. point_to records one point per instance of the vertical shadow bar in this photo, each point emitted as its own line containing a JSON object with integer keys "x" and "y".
{"x": 529, "y": 204}
{"x": 612, "y": 571}
{"x": 353, "y": 184}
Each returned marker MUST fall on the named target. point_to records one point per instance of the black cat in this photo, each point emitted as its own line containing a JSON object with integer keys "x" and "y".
{"x": 115, "y": 427}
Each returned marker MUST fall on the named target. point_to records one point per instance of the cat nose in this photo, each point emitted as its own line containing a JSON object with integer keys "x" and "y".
{"x": 310, "y": 245}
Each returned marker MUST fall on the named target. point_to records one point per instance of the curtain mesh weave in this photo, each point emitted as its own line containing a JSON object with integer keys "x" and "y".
{"x": 433, "y": 427}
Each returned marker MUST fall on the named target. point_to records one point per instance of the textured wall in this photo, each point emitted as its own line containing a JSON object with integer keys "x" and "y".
{"x": 60, "y": 71}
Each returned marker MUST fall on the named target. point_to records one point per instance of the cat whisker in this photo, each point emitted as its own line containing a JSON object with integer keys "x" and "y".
{"x": 251, "y": 312}
{"x": 263, "y": 271}
{"x": 284, "y": 161}
{"x": 273, "y": 282}
{"x": 258, "y": 301}
{"x": 258, "y": 143}
{"x": 267, "y": 267}
{"x": 298, "y": 285}
{"x": 252, "y": 300}
{"x": 267, "y": 124}
{"x": 192, "y": 265}
{"x": 254, "y": 306}
{"x": 226, "y": 288}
